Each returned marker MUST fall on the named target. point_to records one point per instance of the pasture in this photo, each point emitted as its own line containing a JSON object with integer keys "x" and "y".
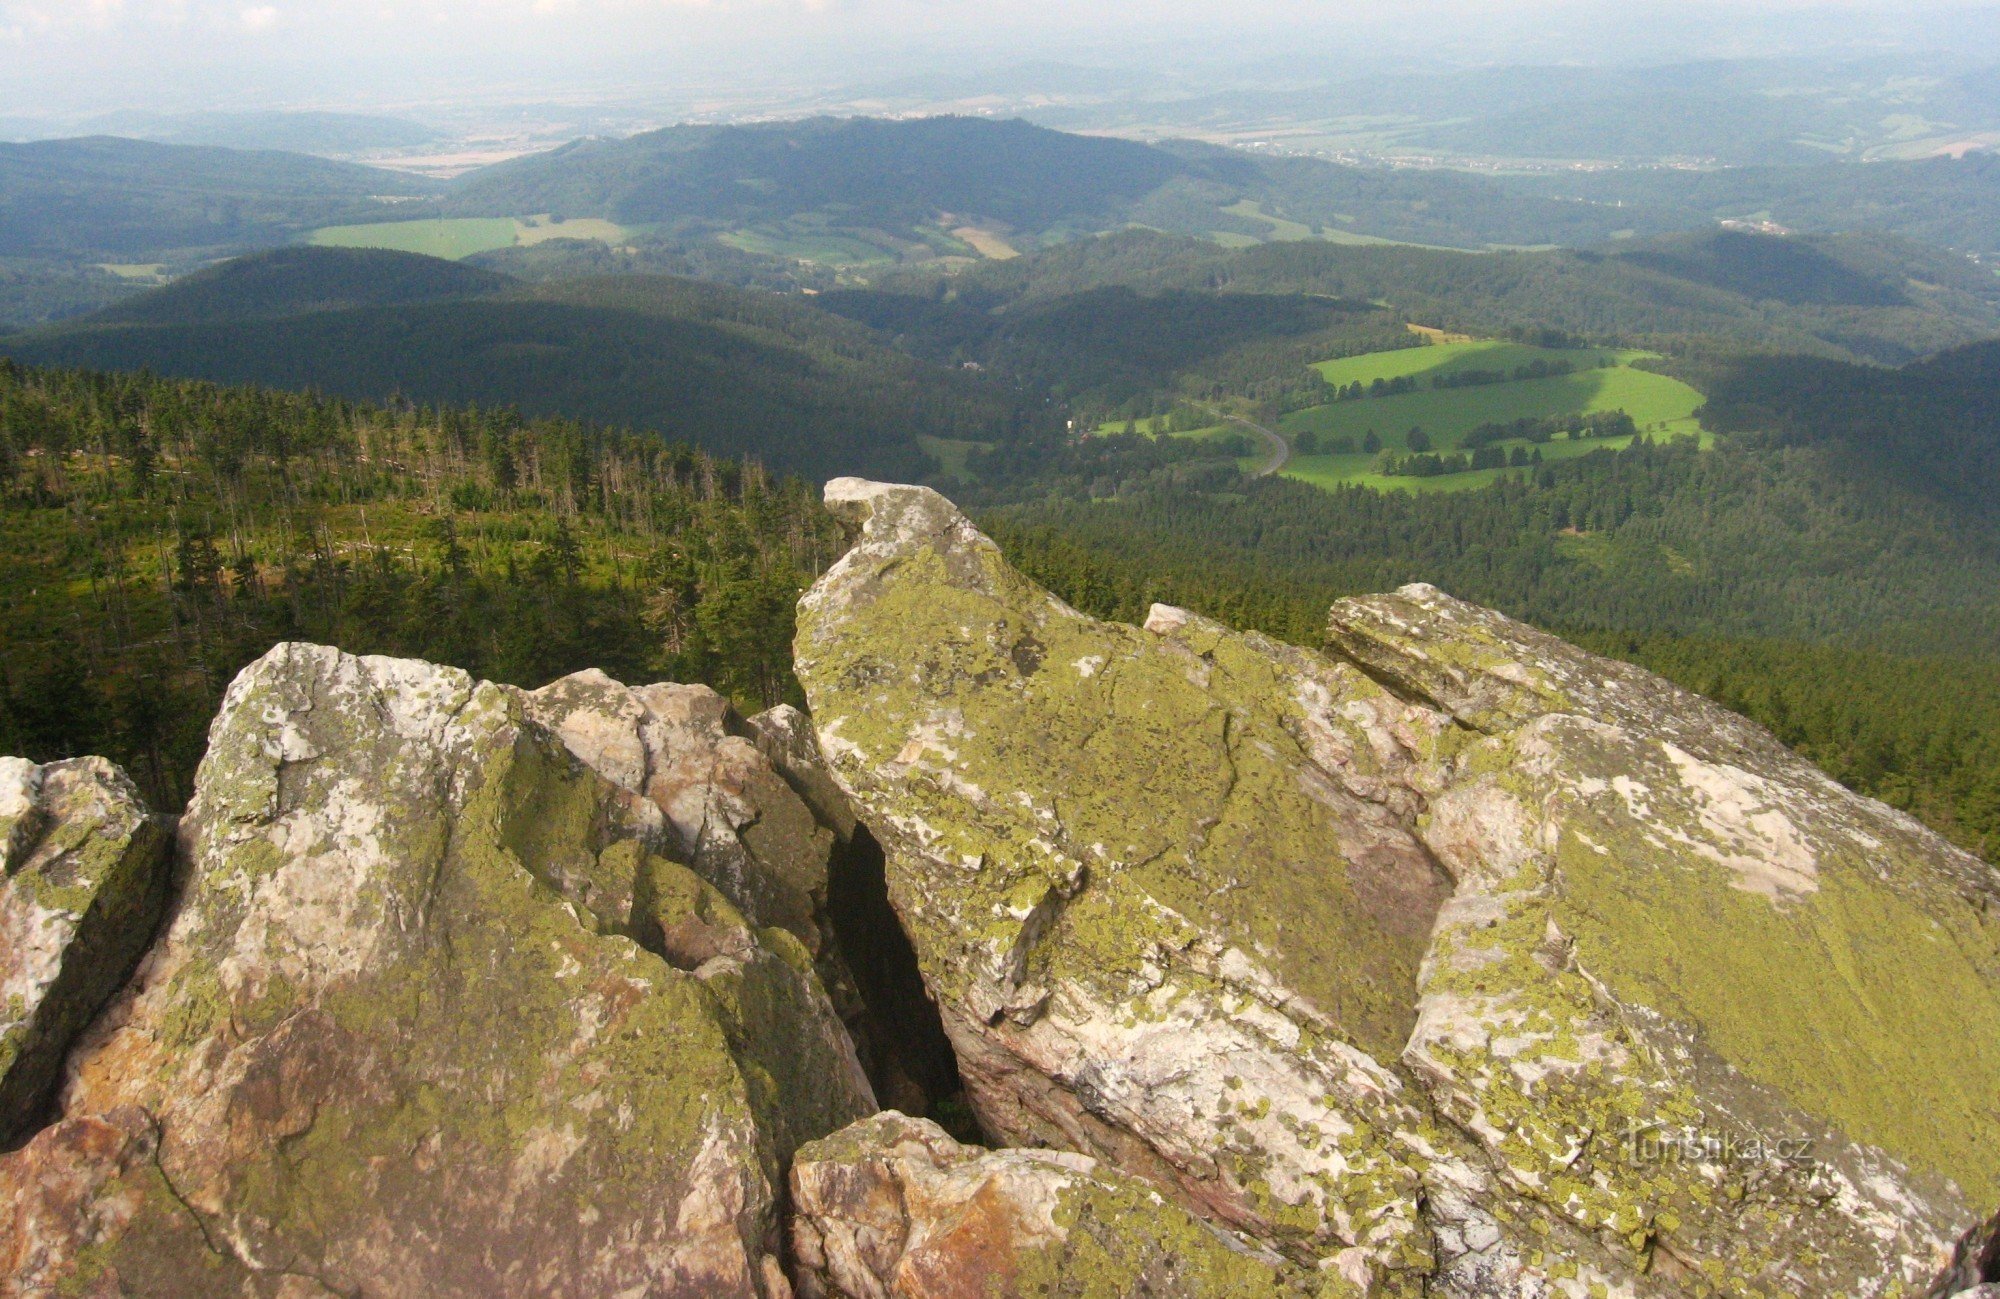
{"x": 455, "y": 238}
{"x": 1599, "y": 380}
{"x": 799, "y": 242}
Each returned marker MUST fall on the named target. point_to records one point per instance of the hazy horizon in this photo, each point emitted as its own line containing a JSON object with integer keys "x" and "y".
{"x": 65, "y": 62}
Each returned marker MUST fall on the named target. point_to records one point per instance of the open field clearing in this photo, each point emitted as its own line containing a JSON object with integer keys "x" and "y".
{"x": 542, "y": 229}
{"x": 1343, "y": 440}
{"x": 824, "y": 247}
{"x": 987, "y": 243}
{"x": 455, "y": 238}
{"x": 137, "y": 272}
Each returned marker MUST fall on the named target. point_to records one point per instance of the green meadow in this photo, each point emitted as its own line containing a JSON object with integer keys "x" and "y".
{"x": 1600, "y": 380}
{"x": 455, "y": 238}
{"x": 1154, "y": 426}
{"x": 804, "y": 243}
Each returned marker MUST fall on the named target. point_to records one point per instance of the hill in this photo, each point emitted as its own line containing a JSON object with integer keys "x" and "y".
{"x": 845, "y": 193}
{"x": 132, "y": 200}
{"x": 1947, "y": 202}
{"x": 878, "y": 172}
{"x": 740, "y": 374}
{"x": 1846, "y": 297}
{"x": 333, "y": 134}
{"x": 295, "y": 281}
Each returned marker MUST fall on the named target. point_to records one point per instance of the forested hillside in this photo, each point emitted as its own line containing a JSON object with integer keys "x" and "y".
{"x": 873, "y": 171}
{"x": 1934, "y": 426}
{"x": 1848, "y": 298}
{"x": 121, "y": 200}
{"x": 297, "y": 281}
{"x": 742, "y": 374}
{"x": 162, "y": 533}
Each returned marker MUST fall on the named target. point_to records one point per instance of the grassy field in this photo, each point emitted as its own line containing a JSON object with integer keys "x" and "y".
{"x": 987, "y": 243}
{"x": 138, "y": 272}
{"x": 458, "y": 237}
{"x": 1151, "y": 428}
{"x": 1602, "y": 380}
{"x": 824, "y": 247}
{"x": 541, "y": 230}
{"x": 951, "y": 453}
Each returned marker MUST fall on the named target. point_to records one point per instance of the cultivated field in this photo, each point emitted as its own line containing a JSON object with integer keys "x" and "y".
{"x": 1599, "y": 380}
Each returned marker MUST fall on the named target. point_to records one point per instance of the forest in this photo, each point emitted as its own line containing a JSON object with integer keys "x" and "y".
{"x": 740, "y": 373}
{"x": 163, "y": 533}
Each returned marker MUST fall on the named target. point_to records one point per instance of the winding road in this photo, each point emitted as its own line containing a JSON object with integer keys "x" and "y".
{"x": 1279, "y": 451}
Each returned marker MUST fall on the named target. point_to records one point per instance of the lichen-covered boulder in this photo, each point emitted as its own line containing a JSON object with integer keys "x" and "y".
{"x": 1161, "y": 882}
{"x": 85, "y": 878}
{"x": 414, "y": 1029}
{"x": 893, "y": 1208}
{"x": 747, "y": 803}
{"x": 1454, "y": 958}
{"x": 695, "y": 769}
{"x": 1688, "y": 990}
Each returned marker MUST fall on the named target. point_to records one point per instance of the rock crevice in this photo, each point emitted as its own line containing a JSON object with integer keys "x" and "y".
{"x": 1454, "y": 958}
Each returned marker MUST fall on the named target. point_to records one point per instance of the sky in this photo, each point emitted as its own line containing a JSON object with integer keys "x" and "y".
{"x": 59, "y": 56}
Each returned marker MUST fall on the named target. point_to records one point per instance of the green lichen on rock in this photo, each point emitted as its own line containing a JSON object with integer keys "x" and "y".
{"x": 1106, "y": 839}
{"x": 1714, "y": 1005}
{"x": 402, "y": 1035}
{"x": 84, "y": 881}
{"x": 1167, "y": 885}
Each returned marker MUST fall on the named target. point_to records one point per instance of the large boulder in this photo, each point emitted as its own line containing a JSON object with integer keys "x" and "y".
{"x": 85, "y": 879}
{"x": 440, "y": 1011}
{"x": 894, "y": 1208}
{"x": 1451, "y": 959}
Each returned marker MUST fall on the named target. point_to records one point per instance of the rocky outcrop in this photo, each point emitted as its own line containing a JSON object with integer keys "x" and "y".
{"x": 895, "y": 1207}
{"x": 443, "y": 1011}
{"x": 85, "y": 878}
{"x": 1452, "y": 959}
{"x": 1449, "y": 961}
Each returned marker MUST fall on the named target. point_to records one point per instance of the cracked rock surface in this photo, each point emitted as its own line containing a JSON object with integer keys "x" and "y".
{"x": 440, "y": 1010}
{"x": 1453, "y": 960}
{"x": 894, "y": 1207}
{"x": 85, "y": 877}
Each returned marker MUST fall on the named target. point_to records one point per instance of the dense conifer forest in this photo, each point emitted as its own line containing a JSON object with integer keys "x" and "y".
{"x": 163, "y": 533}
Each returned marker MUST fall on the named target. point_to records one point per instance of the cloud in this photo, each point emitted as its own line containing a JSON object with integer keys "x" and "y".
{"x": 260, "y": 18}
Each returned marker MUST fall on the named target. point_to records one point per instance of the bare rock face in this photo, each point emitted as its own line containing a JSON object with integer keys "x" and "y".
{"x": 84, "y": 884}
{"x": 893, "y": 1208}
{"x": 441, "y": 1011}
{"x": 1454, "y": 960}
{"x": 696, "y": 773}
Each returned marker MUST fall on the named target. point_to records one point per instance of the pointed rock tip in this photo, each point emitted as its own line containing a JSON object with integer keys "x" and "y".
{"x": 877, "y": 506}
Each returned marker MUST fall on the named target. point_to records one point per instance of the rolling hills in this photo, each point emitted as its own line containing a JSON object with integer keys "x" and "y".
{"x": 125, "y": 200}
{"x": 740, "y": 374}
{"x": 1846, "y": 297}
